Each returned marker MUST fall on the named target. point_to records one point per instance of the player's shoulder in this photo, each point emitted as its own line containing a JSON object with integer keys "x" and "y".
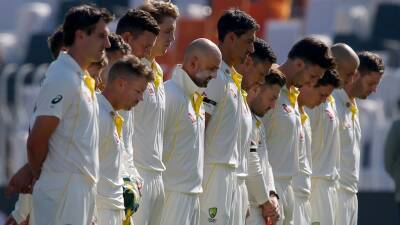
{"x": 173, "y": 92}
{"x": 61, "y": 75}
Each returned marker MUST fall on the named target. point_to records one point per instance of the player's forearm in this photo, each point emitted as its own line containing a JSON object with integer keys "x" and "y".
{"x": 255, "y": 181}
{"x": 37, "y": 153}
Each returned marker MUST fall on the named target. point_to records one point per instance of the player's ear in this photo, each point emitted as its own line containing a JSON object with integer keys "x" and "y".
{"x": 299, "y": 63}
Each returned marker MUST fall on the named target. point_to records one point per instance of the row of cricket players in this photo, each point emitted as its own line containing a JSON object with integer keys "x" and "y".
{"x": 231, "y": 139}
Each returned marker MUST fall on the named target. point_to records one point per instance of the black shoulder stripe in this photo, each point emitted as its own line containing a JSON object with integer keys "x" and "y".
{"x": 253, "y": 150}
{"x": 209, "y": 101}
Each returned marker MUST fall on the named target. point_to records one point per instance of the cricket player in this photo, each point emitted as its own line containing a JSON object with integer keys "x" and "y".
{"x": 139, "y": 30}
{"x": 184, "y": 132}
{"x": 117, "y": 50}
{"x": 148, "y": 117}
{"x": 55, "y": 42}
{"x": 364, "y": 83}
{"x": 255, "y": 68}
{"x": 325, "y": 148}
{"x": 311, "y": 100}
{"x": 127, "y": 81}
{"x": 223, "y": 107}
{"x": 264, "y": 206}
{"x": 63, "y": 142}
{"x": 307, "y": 61}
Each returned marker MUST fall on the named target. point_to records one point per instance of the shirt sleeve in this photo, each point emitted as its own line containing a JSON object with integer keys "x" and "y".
{"x": 255, "y": 180}
{"x": 23, "y": 208}
{"x": 55, "y": 97}
{"x": 269, "y": 175}
{"x": 214, "y": 93}
{"x": 173, "y": 113}
{"x": 128, "y": 166}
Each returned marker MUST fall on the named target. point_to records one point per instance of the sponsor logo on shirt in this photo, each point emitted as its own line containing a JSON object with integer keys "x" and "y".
{"x": 151, "y": 90}
{"x": 57, "y": 99}
{"x": 116, "y": 137}
{"x": 347, "y": 125}
{"x": 192, "y": 117}
{"x": 330, "y": 114}
{"x": 233, "y": 92}
{"x": 212, "y": 212}
{"x": 286, "y": 108}
{"x": 302, "y": 136}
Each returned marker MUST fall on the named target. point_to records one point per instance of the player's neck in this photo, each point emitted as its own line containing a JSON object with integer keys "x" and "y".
{"x": 287, "y": 71}
{"x": 226, "y": 55}
{"x": 82, "y": 60}
{"x": 111, "y": 98}
{"x": 349, "y": 92}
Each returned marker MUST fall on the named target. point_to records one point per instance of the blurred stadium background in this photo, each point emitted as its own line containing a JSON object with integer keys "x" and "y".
{"x": 363, "y": 24}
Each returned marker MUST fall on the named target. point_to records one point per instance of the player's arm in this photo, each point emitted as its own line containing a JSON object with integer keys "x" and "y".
{"x": 259, "y": 189}
{"x": 20, "y": 182}
{"x": 53, "y": 103}
{"x": 38, "y": 141}
{"x": 213, "y": 94}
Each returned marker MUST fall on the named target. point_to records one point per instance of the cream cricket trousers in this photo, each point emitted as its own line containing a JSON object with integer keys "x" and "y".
{"x": 286, "y": 199}
{"x": 181, "y": 209}
{"x": 152, "y": 200}
{"x": 217, "y": 200}
{"x": 242, "y": 202}
{"x": 110, "y": 216}
{"x": 347, "y": 208}
{"x": 323, "y": 201}
{"x": 63, "y": 198}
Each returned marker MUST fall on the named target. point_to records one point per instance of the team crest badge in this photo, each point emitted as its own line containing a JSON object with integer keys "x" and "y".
{"x": 212, "y": 212}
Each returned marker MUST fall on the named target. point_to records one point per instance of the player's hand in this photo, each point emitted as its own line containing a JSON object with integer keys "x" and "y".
{"x": 21, "y": 182}
{"x": 25, "y": 222}
{"x": 10, "y": 221}
{"x": 139, "y": 186}
{"x": 270, "y": 209}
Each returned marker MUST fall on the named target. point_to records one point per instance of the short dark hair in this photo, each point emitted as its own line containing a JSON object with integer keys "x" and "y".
{"x": 235, "y": 21}
{"x": 330, "y": 77}
{"x": 118, "y": 44}
{"x": 56, "y": 41}
{"x": 275, "y": 76}
{"x": 83, "y": 17}
{"x": 262, "y": 51}
{"x": 314, "y": 51}
{"x": 160, "y": 9}
{"x": 137, "y": 21}
{"x": 370, "y": 62}
{"x": 130, "y": 66}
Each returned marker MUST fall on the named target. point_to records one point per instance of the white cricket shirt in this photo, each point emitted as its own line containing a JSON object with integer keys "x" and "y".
{"x": 111, "y": 146}
{"x": 73, "y": 147}
{"x": 350, "y": 142}
{"x": 222, "y": 102}
{"x": 149, "y": 125}
{"x": 283, "y": 129}
{"x": 184, "y": 135}
{"x": 325, "y": 146}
